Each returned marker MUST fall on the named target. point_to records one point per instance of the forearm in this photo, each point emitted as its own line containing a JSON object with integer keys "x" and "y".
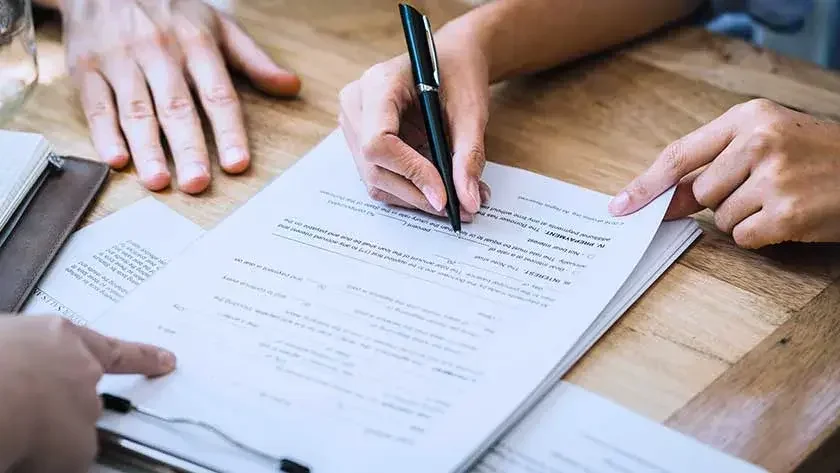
{"x": 524, "y": 36}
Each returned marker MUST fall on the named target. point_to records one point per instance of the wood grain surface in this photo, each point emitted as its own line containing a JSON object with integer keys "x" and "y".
{"x": 778, "y": 389}
{"x": 597, "y": 123}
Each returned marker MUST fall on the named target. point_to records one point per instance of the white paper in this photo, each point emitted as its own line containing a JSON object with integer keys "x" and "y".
{"x": 316, "y": 324}
{"x": 24, "y": 157}
{"x": 106, "y": 260}
{"x": 575, "y": 431}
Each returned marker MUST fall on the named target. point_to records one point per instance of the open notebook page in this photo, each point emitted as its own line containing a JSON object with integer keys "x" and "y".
{"x": 358, "y": 338}
{"x": 106, "y": 260}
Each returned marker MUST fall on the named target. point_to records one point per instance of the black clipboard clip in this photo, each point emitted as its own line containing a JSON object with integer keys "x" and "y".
{"x": 136, "y": 453}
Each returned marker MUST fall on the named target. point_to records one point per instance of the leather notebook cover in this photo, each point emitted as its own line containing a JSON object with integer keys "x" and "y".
{"x": 52, "y": 213}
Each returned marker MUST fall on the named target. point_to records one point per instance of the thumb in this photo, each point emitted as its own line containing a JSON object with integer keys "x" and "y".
{"x": 468, "y": 156}
{"x": 120, "y": 357}
{"x": 246, "y": 56}
{"x": 684, "y": 203}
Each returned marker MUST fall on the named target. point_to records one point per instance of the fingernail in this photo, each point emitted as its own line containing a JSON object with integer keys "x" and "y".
{"x": 484, "y": 191}
{"x": 433, "y": 197}
{"x": 194, "y": 177}
{"x": 117, "y": 157}
{"x": 619, "y": 203}
{"x": 154, "y": 174}
{"x": 474, "y": 194}
{"x": 166, "y": 360}
{"x": 234, "y": 159}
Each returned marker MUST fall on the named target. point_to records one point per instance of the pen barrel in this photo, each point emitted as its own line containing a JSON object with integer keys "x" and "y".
{"x": 439, "y": 144}
{"x": 417, "y": 42}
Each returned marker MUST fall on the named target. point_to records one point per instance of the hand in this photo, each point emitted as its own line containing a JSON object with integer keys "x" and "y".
{"x": 49, "y": 369}
{"x": 773, "y": 175}
{"x": 383, "y": 126}
{"x": 147, "y": 52}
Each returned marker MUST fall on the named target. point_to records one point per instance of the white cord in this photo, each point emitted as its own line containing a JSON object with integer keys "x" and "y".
{"x": 209, "y": 427}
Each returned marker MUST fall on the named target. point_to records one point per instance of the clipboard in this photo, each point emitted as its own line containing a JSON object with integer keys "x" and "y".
{"x": 135, "y": 456}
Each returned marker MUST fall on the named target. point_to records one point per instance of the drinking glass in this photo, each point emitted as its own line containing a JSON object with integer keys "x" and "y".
{"x": 18, "y": 57}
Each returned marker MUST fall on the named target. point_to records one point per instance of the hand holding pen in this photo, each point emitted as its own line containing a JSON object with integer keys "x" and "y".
{"x": 384, "y": 127}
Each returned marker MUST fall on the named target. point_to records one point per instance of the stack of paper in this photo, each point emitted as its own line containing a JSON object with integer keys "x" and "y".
{"x": 318, "y": 325}
{"x": 570, "y": 430}
{"x": 25, "y": 157}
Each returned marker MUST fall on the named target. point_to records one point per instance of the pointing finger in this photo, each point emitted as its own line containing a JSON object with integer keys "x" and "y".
{"x": 121, "y": 357}
{"x": 680, "y": 158}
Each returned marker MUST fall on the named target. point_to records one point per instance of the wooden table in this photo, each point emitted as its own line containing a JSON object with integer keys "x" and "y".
{"x": 739, "y": 349}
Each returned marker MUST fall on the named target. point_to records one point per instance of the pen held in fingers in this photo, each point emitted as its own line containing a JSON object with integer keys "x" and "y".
{"x": 421, "y": 52}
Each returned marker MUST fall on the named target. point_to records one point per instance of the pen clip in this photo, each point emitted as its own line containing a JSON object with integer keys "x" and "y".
{"x": 432, "y": 50}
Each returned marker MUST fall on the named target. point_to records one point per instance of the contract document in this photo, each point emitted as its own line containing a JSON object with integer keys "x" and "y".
{"x": 353, "y": 337}
{"x": 572, "y": 430}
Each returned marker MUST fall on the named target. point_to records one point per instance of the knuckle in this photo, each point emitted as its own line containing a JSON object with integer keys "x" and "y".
{"x": 59, "y": 325}
{"x": 158, "y": 39}
{"x": 787, "y": 215}
{"x": 414, "y": 171}
{"x": 475, "y": 159}
{"x": 115, "y": 355}
{"x": 83, "y": 61}
{"x": 760, "y": 107}
{"x": 375, "y": 177}
{"x": 763, "y": 139}
{"x": 199, "y": 37}
{"x": 377, "y": 194}
{"x": 138, "y": 110}
{"x": 639, "y": 190}
{"x": 220, "y": 96}
{"x": 674, "y": 159}
{"x": 177, "y": 108}
{"x": 371, "y": 149}
{"x": 774, "y": 171}
{"x": 702, "y": 192}
{"x": 99, "y": 109}
{"x": 94, "y": 370}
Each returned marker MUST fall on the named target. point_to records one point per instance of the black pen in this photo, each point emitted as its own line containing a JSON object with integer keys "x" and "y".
{"x": 421, "y": 50}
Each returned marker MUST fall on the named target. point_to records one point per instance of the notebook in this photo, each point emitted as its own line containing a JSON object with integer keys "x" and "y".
{"x": 43, "y": 197}
{"x": 28, "y": 157}
{"x": 315, "y": 325}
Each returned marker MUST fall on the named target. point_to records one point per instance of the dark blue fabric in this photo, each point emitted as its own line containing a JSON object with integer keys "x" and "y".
{"x": 786, "y": 16}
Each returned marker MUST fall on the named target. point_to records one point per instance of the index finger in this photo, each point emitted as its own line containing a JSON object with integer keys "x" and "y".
{"x": 121, "y": 357}
{"x": 383, "y": 104}
{"x": 676, "y": 161}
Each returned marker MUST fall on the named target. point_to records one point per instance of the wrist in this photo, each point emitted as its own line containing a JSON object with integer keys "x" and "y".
{"x": 480, "y": 28}
{"x": 465, "y": 39}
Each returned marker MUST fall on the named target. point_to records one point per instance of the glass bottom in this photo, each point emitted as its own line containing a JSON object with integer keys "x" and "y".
{"x": 13, "y": 94}
{"x": 18, "y": 67}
